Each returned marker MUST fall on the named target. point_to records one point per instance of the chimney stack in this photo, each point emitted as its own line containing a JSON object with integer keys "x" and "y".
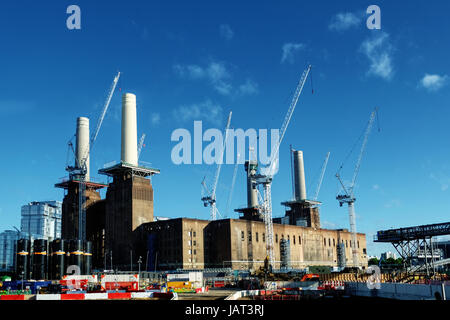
{"x": 251, "y": 167}
{"x": 129, "y": 129}
{"x": 299, "y": 176}
{"x": 82, "y": 144}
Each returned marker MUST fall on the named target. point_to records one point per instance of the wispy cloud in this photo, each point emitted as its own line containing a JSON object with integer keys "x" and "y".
{"x": 206, "y": 110}
{"x": 155, "y": 118}
{"x": 433, "y": 82}
{"x": 442, "y": 179}
{"x": 249, "y": 87}
{"x": 142, "y": 31}
{"x": 215, "y": 72}
{"x": 226, "y": 32}
{"x": 218, "y": 76}
{"x": 344, "y": 21}
{"x": 289, "y": 50}
{"x": 378, "y": 50}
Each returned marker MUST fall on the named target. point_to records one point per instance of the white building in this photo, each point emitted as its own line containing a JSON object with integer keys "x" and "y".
{"x": 387, "y": 255}
{"x": 42, "y": 219}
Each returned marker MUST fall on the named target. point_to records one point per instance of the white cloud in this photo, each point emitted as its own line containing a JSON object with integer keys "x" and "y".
{"x": 433, "y": 82}
{"x": 249, "y": 87}
{"x": 155, "y": 118}
{"x": 442, "y": 179}
{"x": 226, "y": 32}
{"x": 378, "y": 50}
{"x": 206, "y": 110}
{"x": 215, "y": 72}
{"x": 288, "y": 51}
{"x": 218, "y": 76}
{"x": 344, "y": 21}
{"x": 375, "y": 187}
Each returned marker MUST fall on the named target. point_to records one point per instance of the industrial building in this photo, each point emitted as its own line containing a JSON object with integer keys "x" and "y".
{"x": 185, "y": 243}
{"x": 299, "y": 241}
{"x": 122, "y": 226}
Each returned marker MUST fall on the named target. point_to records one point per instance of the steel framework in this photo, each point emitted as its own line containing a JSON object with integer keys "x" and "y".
{"x": 415, "y": 242}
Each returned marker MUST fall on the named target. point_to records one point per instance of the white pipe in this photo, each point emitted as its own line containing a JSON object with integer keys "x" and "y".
{"x": 129, "y": 129}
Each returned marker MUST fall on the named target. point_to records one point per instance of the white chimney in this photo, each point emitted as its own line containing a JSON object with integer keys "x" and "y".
{"x": 82, "y": 144}
{"x": 252, "y": 193}
{"x": 129, "y": 129}
{"x": 299, "y": 176}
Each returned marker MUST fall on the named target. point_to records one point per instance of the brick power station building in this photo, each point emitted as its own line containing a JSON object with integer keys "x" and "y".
{"x": 122, "y": 227}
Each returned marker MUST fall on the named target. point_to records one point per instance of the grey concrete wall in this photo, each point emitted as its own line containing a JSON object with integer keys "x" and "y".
{"x": 398, "y": 291}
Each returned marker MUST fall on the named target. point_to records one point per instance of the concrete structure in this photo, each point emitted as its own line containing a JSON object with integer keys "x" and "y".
{"x": 129, "y": 199}
{"x": 42, "y": 219}
{"x": 129, "y": 130}
{"x": 252, "y": 211}
{"x": 238, "y": 244}
{"x": 82, "y": 144}
{"x": 301, "y": 211}
{"x": 399, "y": 291}
{"x": 70, "y": 211}
{"x": 299, "y": 176}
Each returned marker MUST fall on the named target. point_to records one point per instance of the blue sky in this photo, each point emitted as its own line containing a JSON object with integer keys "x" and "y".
{"x": 198, "y": 60}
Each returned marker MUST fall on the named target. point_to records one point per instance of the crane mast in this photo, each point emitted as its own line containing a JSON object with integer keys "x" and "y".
{"x": 141, "y": 144}
{"x": 348, "y": 195}
{"x": 322, "y": 173}
{"x": 233, "y": 182}
{"x": 80, "y": 169}
{"x": 265, "y": 179}
{"x": 211, "y": 198}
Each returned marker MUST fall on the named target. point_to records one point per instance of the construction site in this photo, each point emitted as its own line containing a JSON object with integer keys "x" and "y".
{"x": 116, "y": 245}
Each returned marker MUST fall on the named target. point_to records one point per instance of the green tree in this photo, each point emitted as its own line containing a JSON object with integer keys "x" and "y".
{"x": 373, "y": 261}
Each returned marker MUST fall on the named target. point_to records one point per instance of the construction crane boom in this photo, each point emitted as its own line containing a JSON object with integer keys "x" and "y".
{"x": 211, "y": 198}
{"x": 287, "y": 119}
{"x": 266, "y": 177}
{"x": 141, "y": 144}
{"x": 322, "y": 173}
{"x": 348, "y": 195}
{"x": 80, "y": 169}
{"x": 105, "y": 108}
{"x": 233, "y": 181}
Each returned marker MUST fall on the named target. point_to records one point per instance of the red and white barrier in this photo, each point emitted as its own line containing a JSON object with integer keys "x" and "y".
{"x": 83, "y": 296}
{"x": 12, "y": 297}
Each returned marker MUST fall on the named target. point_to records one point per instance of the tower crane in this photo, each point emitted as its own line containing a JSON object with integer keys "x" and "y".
{"x": 233, "y": 181}
{"x": 140, "y": 144}
{"x": 265, "y": 178}
{"x": 210, "y": 199}
{"x": 79, "y": 171}
{"x": 348, "y": 195}
{"x": 322, "y": 173}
